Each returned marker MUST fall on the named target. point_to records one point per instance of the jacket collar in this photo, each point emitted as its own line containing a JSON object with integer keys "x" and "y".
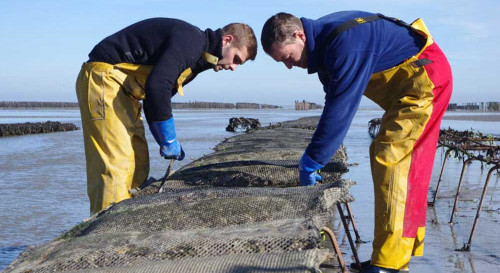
{"x": 212, "y": 51}
{"x": 313, "y": 30}
{"x": 213, "y": 45}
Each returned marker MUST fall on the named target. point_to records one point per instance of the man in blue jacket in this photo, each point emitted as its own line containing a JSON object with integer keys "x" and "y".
{"x": 401, "y": 68}
{"x": 151, "y": 61}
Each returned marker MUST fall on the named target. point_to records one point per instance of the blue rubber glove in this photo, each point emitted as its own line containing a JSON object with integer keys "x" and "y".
{"x": 164, "y": 133}
{"x": 307, "y": 171}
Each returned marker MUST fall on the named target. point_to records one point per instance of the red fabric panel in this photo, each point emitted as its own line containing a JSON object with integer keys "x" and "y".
{"x": 424, "y": 151}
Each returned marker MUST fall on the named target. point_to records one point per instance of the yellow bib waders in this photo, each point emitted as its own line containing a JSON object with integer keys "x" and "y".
{"x": 414, "y": 98}
{"x": 116, "y": 150}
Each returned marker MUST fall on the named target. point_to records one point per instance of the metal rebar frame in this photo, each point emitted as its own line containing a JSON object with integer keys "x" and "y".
{"x": 446, "y": 155}
{"x": 336, "y": 247}
{"x": 474, "y": 147}
{"x": 459, "y": 187}
{"x": 466, "y": 246}
{"x": 345, "y": 219}
{"x": 354, "y": 227}
{"x": 348, "y": 233}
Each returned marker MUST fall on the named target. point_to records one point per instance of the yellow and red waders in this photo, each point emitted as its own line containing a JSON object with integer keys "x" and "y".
{"x": 116, "y": 150}
{"x": 414, "y": 95}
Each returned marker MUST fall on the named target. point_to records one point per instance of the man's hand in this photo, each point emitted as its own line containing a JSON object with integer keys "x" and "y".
{"x": 307, "y": 171}
{"x": 172, "y": 150}
{"x": 309, "y": 178}
{"x": 164, "y": 133}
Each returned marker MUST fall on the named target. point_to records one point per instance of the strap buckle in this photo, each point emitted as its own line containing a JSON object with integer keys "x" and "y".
{"x": 421, "y": 62}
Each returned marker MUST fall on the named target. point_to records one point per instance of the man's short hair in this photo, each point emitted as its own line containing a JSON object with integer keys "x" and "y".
{"x": 279, "y": 29}
{"x": 243, "y": 36}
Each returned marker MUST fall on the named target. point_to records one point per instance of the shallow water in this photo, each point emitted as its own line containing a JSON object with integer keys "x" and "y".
{"x": 43, "y": 184}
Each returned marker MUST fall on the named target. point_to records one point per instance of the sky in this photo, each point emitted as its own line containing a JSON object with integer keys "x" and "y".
{"x": 44, "y": 43}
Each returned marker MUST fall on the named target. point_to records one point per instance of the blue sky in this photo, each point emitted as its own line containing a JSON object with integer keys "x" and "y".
{"x": 45, "y": 42}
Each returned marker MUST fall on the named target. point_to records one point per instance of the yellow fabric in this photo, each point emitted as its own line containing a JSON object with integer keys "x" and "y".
{"x": 185, "y": 75}
{"x": 115, "y": 145}
{"x": 116, "y": 150}
{"x": 360, "y": 20}
{"x": 420, "y": 26}
{"x": 209, "y": 58}
{"x": 405, "y": 93}
{"x": 418, "y": 245}
{"x": 134, "y": 78}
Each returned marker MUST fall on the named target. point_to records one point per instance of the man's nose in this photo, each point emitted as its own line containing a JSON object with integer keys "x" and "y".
{"x": 233, "y": 67}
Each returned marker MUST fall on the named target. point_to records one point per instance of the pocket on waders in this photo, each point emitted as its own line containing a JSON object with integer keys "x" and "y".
{"x": 130, "y": 85}
{"x": 95, "y": 98}
{"x": 133, "y": 89}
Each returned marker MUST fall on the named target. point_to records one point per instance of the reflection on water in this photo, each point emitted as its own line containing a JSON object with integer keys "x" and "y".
{"x": 43, "y": 184}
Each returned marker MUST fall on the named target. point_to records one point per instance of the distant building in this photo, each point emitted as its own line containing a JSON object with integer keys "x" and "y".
{"x": 305, "y": 105}
{"x": 492, "y": 106}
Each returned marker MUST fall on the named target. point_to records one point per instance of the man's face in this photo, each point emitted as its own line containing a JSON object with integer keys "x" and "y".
{"x": 291, "y": 53}
{"x": 231, "y": 55}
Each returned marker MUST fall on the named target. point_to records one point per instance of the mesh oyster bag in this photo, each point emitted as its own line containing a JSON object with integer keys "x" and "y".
{"x": 193, "y": 223}
{"x": 238, "y": 209}
{"x": 261, "y": 158}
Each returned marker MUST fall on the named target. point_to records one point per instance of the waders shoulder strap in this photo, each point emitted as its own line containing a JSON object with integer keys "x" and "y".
{"x": 350, "y": 24}
{"x": 361, "y": 20}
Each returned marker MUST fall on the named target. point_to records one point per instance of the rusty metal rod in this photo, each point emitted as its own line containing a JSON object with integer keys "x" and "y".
{"x": 455, "y": 208}
{"x": 348, "y": 233}
{"x": 354, "y": 227}
{"x": 446, "y": 155}
{"x": 336, "y": 248}
{"x": 463, "y": 149}
{"x": 479, "y": 208}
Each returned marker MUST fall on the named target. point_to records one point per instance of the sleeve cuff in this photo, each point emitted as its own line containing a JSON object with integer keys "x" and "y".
{"x": 309, "y": 165}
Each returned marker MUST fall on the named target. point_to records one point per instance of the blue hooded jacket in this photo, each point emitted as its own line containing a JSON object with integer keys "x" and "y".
{"x": 344, "y": 67}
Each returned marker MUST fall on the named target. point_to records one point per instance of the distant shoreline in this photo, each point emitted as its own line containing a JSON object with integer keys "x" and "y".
{"x": 464, "y": 115}
{"x": 37, "y": 108}
{"x": 484, "y": 117}
{"x": 175, "y": 105}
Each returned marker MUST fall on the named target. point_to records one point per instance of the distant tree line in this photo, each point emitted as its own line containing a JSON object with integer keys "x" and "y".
{"x": 221, "y": 105}
{"x": 37, "y": 104}
{"x": 175, "y": 105}
{"x": 202, "y": 105}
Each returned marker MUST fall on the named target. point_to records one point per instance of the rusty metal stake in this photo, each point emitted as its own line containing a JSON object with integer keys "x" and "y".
{"x": 336, "y": 248}
{"x": 354, "y": 227}
{"x": 446, "y": 155}
{"x": 455, "y": 208}
{"x": 348, "y": 233}
{"x": 467, "y": 245}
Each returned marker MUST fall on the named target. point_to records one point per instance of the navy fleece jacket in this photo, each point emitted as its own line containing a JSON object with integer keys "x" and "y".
{"x": 171, "y": 46}
{"x": 344, "y": 67}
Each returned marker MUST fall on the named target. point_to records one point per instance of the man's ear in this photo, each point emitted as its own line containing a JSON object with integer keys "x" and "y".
{"x": 227, "y": 39}
{"x": 300, "y": 35}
